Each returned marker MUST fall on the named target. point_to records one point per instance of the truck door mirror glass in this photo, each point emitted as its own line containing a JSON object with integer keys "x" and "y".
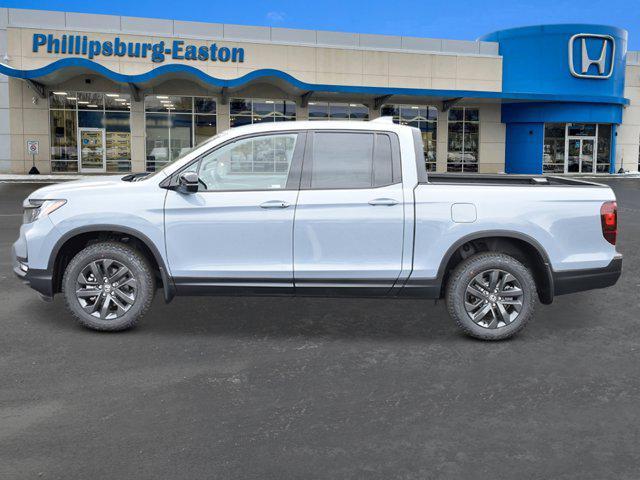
{"x": 188, "y": 182}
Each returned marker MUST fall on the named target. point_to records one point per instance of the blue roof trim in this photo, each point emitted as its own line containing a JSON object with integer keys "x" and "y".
{"x": 240, "y": 81}
{"x": 547, "y": 29}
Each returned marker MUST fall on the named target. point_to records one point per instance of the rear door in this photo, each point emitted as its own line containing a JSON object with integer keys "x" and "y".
{"x": 348, "y": 229}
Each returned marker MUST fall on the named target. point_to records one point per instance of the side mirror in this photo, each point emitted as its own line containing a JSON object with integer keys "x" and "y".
{"x": 188, "y": 182}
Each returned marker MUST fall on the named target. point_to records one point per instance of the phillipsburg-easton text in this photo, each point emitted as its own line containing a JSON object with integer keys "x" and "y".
{"x": 157, "y": 52}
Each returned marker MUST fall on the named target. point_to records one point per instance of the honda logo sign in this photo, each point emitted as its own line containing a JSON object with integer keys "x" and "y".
{"x": 595, "y": 55}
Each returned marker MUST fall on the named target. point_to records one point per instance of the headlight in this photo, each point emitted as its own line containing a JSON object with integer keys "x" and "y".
{"x": 35, "y": 209}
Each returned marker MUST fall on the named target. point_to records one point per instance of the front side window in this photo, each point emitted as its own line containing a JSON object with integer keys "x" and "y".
{"x": 464, "y": 139}
{"x": 350, "y": 160}
{"x": 256, "y": 163}
{"x": 422, "y": 117}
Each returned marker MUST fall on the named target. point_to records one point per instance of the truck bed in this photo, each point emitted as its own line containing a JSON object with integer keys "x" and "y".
{"x": 503, "y": 179}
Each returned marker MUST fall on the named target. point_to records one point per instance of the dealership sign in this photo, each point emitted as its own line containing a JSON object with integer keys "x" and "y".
{"x": 157, "y": 52}
{"x": 591, "y": 55}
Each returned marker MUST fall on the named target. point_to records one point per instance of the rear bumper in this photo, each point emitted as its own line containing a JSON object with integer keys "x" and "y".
{"x": 580, "y": 280}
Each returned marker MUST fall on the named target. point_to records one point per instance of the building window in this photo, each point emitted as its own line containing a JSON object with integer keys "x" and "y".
{"x": 337, "y": 111}
{"x": 603, "y": 157}
{"x": 71, "y": 111}
{"x": 174, "y": 125}
{"x": 464, "y": 139}
{"x": 245, "y": 111}
{"x": 422, "y": 117}
{"x": 553, "y": 150}
{"x": 569, "y": 148}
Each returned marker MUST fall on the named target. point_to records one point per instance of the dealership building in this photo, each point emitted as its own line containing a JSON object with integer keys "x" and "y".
{"x": 84, "y": 93}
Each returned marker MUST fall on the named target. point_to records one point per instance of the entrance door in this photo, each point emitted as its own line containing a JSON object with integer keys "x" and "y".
{"x": 91, "y": 150}
{"x": 580, "y": 155}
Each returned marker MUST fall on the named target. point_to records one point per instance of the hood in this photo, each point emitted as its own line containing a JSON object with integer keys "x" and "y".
{"x": 58, "y": 190}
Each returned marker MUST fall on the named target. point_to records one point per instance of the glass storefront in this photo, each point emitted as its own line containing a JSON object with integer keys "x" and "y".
{"x": 174, "y": 125}
{"x": 107, "y": 115}
{"x": 464, "y": 139}
{"x": 91, "y": 131}
{"x": 576, "y": 148}
{"x": 422, "y": 117}
{"x": 337, "y": 111}
{"x": 245, "y": 111}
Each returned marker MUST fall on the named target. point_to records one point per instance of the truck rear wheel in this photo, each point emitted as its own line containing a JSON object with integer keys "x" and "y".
{"x": 491, "y": 296}
{"x": 108, "y": 286}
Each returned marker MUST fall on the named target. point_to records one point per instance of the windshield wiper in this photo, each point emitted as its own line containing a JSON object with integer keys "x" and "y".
{"x": 134, "y": 177}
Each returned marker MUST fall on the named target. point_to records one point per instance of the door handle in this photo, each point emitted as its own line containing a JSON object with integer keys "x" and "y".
{"x": 388, "y": 202}
{"x": 274, "y": 204}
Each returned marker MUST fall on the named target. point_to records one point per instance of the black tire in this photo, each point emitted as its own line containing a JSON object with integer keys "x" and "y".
{"x": 141, "y": 289}
{"x": 495, "y": 325}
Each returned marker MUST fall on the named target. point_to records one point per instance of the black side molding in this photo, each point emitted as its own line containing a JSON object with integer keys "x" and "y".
{"x": 573, "y": 281}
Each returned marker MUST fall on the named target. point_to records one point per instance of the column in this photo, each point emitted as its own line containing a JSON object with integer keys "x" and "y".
{"x": 138, "y": 155}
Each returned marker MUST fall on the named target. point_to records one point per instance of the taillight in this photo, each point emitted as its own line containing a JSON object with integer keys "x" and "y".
{"x": 609, "y": 220}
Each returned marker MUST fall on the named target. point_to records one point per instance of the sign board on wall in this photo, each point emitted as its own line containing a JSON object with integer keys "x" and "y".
{"x": 157, "y": 51}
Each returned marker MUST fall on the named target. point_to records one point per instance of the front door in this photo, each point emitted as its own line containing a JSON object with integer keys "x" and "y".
{"x": 91, "y": 150}
{"x": 235, "y": 235}
{"x": 580, "y": 155}
{"x": 348, "y": 233}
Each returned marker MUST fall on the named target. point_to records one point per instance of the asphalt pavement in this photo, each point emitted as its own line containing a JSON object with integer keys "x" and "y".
{"x": 285, "y": 388}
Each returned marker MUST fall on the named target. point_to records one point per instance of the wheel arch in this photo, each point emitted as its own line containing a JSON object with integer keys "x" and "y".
{"x": 524, "y": 247}
{"x": 79, "y": 236}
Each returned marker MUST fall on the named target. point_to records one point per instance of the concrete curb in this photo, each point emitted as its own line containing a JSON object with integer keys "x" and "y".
{"x": 10, "y": 178}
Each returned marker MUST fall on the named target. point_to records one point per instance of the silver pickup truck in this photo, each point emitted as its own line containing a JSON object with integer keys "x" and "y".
{"x": 318, "y": 208}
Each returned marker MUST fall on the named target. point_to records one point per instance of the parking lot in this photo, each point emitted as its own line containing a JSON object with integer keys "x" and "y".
{"x": 321, "y": 388}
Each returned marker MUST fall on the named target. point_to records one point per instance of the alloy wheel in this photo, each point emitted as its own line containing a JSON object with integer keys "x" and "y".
{"x": 106, "y": 289}
{"x": 493, "y": 298}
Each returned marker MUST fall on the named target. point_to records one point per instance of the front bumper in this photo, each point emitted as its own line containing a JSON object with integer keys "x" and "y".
{"x": 573, "y": 281}
{"x": 40, "y": 280}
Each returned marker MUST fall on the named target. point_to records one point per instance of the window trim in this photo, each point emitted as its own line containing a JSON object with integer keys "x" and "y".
{"x": 295, "y": 168}
{"x": 396, "y": 172}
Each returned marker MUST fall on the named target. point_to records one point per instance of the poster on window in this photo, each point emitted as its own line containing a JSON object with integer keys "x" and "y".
{"x": 118, "y": 145}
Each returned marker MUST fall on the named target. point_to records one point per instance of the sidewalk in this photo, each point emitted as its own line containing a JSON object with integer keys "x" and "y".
{"x": 12, "y": 178}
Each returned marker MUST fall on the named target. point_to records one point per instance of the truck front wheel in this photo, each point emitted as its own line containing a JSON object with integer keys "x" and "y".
{"x": 491, "y": 296}
{"x": 108, "y": 286}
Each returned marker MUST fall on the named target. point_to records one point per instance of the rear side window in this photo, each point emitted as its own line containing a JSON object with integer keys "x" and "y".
{"x": 342, "y": 160}
{"x": 349, "y": 160}
{"x": 382, "y": 161}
